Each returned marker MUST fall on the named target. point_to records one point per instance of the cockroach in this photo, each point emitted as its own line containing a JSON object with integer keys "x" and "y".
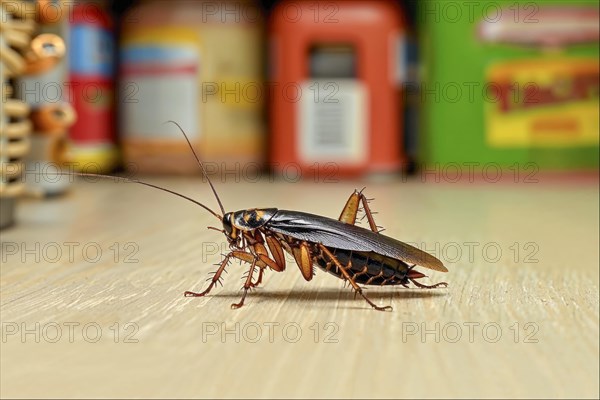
{"x": 260, "y": 236}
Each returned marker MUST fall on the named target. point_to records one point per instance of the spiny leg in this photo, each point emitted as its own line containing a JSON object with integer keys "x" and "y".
{"x": 351, "y": 208}
{"x": 241, "y": 255}
{"x": 350, "y": 280}
{"x": 259, "y": 279}
{"x": 247, "y": 286}
{"x": 257, "y": 260}
{"x": 214, "y": 279}
{"x": 369, "y": 214}
{"x": 262, "y": 260}
{"x": 419, "y": 275}
{"x": 420, "y": 285}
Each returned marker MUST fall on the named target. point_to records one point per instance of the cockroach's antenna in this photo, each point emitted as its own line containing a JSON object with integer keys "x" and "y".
{"x": 120, "y": 178}
{"x": 200, "y": 164}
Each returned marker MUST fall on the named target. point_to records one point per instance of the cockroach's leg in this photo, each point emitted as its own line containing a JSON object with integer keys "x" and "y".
{"x": 358, "y": 274}
{"x": 247, "y": 285}
{"x": 349, "y": 279}
{"x": 368, "y": 213}
{"x": 414, "y": 278}
{"x": 259, "y": 279}
{"x": 276, "y": 251}
{"x": 214, "y": 279}
{"x": 240, "y": 255}
{"x": 350, "y": 210}
{"x": 304, "y": 260}
{"x": 420, "y": 285}
{"x": 264, "y": 260}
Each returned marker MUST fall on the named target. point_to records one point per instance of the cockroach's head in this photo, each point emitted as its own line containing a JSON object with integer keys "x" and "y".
{"x": 229, "y": 228}
{"x": 235, "y": 223}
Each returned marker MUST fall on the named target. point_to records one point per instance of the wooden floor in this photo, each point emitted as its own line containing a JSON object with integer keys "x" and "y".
{"x": 92, "y": 304}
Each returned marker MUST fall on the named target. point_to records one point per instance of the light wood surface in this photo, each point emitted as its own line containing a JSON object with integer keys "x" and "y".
{"x": 547, "y": 292}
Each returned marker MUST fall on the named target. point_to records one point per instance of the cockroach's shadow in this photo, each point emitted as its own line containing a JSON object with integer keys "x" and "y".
{"x": 334, "y": 294}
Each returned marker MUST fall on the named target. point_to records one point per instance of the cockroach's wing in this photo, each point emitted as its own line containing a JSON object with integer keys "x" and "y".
{"x": 412, "y": 255}
{"x": 333, "y": 233}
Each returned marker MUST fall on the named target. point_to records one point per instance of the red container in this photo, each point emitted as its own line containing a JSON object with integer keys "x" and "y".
{"x": 91, "y": 62}
{"x": 337, "y": 71}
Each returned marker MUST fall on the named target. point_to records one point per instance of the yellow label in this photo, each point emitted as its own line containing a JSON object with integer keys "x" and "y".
{"x": 543, "y": 103}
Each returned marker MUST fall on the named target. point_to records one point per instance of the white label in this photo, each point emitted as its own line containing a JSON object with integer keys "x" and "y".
{"x": 160, "y": 85}
{"x": 333, "y": 122}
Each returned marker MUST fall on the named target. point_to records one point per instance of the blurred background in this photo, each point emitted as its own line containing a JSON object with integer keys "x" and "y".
{"x": 475, "y": 125}
{"x": 336, "y": 88}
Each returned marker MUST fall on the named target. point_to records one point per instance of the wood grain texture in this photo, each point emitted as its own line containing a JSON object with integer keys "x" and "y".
{"x": 323, "y": 343}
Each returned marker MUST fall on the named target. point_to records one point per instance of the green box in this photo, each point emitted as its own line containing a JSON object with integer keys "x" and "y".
{"x": 505, "y": 89}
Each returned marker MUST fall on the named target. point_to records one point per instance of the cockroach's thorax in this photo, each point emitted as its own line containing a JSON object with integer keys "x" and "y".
{"x": 251, "y": 219}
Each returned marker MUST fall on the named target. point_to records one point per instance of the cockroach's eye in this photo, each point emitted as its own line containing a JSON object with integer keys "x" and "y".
{"x": 227, "y": 224}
